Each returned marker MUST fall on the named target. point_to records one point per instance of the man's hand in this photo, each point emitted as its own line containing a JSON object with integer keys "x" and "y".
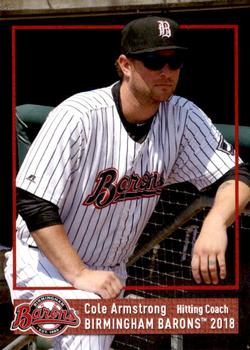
{"x": 54, "y": 243}
{"x": 104, "y": 283}
{"x": 208, "y": 261}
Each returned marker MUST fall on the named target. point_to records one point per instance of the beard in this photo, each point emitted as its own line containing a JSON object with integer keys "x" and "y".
{"x": 155, "y": 94}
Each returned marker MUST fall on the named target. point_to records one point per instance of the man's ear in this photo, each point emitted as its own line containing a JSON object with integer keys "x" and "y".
{"x": 125, "y": 65}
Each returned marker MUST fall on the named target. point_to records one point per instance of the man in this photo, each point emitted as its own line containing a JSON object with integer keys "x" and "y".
{"x": 94, "y": 174}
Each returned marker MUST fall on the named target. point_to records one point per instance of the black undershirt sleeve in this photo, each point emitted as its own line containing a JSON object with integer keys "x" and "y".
{"x": 244, "y": 176}
{"x": 36, "y": 212}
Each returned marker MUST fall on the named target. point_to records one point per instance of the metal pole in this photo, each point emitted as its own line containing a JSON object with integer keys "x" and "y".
{"x": 20, "y": 342}
{"x": 177, "y": 342}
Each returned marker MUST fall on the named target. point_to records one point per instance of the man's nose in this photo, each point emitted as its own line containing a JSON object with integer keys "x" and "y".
{"x": 166, "y": 70}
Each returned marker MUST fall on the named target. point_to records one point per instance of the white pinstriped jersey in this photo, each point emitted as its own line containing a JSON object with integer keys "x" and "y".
{"x": 105, "y": 184}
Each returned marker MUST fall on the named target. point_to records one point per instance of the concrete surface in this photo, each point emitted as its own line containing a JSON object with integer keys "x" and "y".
{"x": 9, "y": 8}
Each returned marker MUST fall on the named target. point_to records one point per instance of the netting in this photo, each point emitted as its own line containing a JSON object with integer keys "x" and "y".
{"x": 167, "y": 262}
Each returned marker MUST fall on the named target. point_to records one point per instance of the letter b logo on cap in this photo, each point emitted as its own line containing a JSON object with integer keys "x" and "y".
{"x": 164, "y": 29}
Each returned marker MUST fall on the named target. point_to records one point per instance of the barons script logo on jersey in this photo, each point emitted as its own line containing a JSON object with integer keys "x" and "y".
{"x": 47, "y": 316}
{"x": 108, "y": 190}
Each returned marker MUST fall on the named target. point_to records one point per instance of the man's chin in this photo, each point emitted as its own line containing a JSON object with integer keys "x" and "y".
{"x": 162, "y": 97}
{"x": 163, "y": 93}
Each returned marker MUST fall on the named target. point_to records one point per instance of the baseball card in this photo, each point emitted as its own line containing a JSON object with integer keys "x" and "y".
{"x": 125, "y": 180}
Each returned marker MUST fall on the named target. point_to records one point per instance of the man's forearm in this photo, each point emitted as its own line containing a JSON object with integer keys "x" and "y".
{"x": 55, "y": 245}
{"x": 225, "y": 202}
{"x": 210, "y": 247}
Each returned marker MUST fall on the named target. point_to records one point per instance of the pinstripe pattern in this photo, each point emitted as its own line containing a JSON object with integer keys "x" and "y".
{"x": 27, "y": 275}
{"x": 93, "y": 342}
{"x": 87, "y": 146}
{"x": 106, "y": 185}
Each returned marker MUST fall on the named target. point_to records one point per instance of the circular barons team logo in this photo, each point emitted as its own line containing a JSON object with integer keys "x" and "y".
{"x": 47, "y": 315}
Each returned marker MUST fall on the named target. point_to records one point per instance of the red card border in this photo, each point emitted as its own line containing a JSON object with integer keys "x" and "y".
{"x": 235, "y": 29}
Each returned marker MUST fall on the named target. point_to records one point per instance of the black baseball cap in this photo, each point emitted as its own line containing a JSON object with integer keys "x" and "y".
{"x": 149, "y": 34}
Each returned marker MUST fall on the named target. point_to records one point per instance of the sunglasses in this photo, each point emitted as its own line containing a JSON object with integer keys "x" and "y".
{"x": 156, "y": 62}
